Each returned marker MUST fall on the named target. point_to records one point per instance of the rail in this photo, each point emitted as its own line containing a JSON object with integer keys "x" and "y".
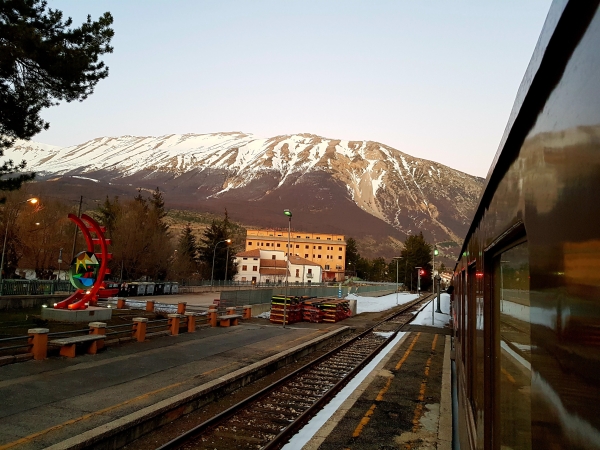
{"x": 355, "y": 345}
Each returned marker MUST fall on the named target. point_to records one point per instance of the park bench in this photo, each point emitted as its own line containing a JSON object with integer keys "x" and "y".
{"x": 67, "y": 345}
{"x": 229, "y": 320}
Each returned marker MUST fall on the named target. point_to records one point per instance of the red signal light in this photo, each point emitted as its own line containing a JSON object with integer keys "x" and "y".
{"x": 422, "y": 272}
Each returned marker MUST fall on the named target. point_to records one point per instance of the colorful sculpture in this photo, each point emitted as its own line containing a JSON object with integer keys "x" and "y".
{"x": 88, "y": 268}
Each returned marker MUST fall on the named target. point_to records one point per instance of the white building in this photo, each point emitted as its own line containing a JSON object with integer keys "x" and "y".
{"x": 268, "y": 266}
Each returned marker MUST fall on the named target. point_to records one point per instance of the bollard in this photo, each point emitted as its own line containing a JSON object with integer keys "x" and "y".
{"x": 150, "y": 305}
{"x": 174, "y": 323}
{"x": 139, "y": 328}
{"x": 247, "y": 311}
{"x": 98, "y": 328}
{"x": 38, "y": 339}
{"x": 191, "y": 321}
{"x": 120, "y": 303}
{"x": 212, "y": 317}
{"x": 181, "y": 307}
{"x": 231, "y": 310}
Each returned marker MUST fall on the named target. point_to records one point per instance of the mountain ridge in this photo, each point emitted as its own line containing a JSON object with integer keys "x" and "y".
{"x": 407, "y": 193}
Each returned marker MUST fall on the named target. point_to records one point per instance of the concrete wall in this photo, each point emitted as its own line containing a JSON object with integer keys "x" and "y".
{"x": 29, "y": 301}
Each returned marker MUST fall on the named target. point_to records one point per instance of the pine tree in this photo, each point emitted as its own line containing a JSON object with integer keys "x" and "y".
{"x": 213, "y": 245}
{"x": 416, "y": 253}
{"x": 43, "y": 60}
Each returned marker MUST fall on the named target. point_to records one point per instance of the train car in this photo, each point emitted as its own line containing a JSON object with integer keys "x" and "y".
{"x": 526, "y": 299}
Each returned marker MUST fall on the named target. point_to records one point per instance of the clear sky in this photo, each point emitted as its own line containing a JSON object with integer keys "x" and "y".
{"x": 435, "y": 79}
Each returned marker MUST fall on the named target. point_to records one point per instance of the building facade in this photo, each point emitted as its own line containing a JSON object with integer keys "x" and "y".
{"x": 326, "y": 250}
{"x": 268, "y": 266}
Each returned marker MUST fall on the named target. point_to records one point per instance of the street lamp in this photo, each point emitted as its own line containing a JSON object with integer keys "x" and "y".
{"x": 397, "y": 258}
{"x": 31, "y": 201}
{"x": 212, "y": 273}
{"x": 288, "y": 213}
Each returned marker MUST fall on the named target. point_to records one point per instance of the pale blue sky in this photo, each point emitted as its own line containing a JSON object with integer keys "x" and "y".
{"x": 434, "y": 79}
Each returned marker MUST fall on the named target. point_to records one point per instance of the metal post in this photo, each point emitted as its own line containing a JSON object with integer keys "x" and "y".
{"x": 2, "y": 262}
{"x": 439, "y": 294}
{"x": 287, "y": 265}
{"x": 397, "y": 282}
{"x": 226, "y": 263}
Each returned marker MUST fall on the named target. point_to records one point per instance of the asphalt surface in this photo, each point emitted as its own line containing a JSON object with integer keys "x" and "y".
{"x": 45, "y": 402}
{"x": 400, "y": 407}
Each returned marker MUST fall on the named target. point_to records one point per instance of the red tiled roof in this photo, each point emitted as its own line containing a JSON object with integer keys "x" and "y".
{"x": 299, "y": 261}
{"x": 268, "y": 271}
{"x": 272, "y": 263}
{"x": 250, "y": 253}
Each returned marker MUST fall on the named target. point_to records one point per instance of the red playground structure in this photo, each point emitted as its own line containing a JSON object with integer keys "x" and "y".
{"x": 87, "y": 268}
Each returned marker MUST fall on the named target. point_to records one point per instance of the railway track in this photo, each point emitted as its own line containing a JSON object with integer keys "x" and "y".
{"x": 267, "y": 419}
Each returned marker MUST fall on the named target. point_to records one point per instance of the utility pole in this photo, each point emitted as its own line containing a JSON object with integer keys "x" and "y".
{"x": 76, "y": 229}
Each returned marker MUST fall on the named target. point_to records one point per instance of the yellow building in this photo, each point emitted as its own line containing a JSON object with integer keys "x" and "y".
{"x": 327, "y": 250}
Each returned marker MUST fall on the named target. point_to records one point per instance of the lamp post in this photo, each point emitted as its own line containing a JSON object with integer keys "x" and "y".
{"x": 212, "y": 273}
{"x": 433, "y": 279}
{"x": 227, "y": 262}
{"x": 31, "y": 201}
{"x": 288, "y": 213}
{"x": 418, "y": 280}
{"x": 397, "y": 258}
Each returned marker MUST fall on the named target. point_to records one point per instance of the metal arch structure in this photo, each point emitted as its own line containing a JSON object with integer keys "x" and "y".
{"x": 80, "y": 299}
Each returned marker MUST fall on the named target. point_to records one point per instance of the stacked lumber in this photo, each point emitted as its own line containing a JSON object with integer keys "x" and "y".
{"x": 311, "y": 311}
{"x": 293, "y": 309}
{"x": 335, "y": 309}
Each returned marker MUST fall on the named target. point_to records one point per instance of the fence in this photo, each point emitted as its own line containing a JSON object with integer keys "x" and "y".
{"x": 35, "y": 287}
{"x": 256, "y": 296}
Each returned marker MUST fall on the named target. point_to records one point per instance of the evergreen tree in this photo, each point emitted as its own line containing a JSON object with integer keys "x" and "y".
{"x": 352, "y": 256}
{"x": 416, "y": 253}
{"x": 43, "y": 60}
{"x": 213, "y": 245}
{"x": 186, "y": 260}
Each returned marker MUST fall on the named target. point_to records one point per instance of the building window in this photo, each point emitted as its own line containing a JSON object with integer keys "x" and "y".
{"x": 328, "y": 239}
{"x": 318, "y": 237}
{"x": 298, "y": 237}
{"x": 272, "y": 256}
{"x": 319, "y": 256}
{"x": 297, "y": 273}
{"x": 244, "y": 267}
{"x": 310, "y": 271}
{"x": 306, "y": 246}
{"x": 297, "y": 246}
{"x": 307, "y": 237}
{"x": 254, "y": 268}
{"x": 340, "y": 249}
{"x": 319, "y": 247}
{"x": 267, "y": 244}
{"x": 340, "y": 257}
{"x": 255, "y": 259}
{"x": 249, "y": 243}
{"x": 339, "y": 239}
{"x": 306, "y": 255}
{"x": 278, "y": 245}
{"x": 244, "y": 259}
{"x": 243, "y": 278}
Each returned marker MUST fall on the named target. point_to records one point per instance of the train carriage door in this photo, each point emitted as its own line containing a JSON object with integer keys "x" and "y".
{"x": 512, "y": 348}
{"x": 470, "y": 325}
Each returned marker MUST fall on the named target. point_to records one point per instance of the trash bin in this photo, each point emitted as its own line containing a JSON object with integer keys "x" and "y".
{"x": 149, "y": 288}
{"x": 174, "y": 287}
{"x": 167, "y": 288}
{"x": 159, "y": 288}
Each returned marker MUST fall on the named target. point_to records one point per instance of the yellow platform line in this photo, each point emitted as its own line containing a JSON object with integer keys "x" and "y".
{"x": 367, "y": 417}
{"x": 419, "y": 408}
{"x": 29, "y": 438}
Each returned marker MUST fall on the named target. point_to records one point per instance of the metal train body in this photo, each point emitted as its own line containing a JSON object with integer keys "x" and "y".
{"x": 526, "y": 300}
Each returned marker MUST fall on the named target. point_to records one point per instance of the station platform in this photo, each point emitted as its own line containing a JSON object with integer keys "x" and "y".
{"x": 70, "y": 402}
{"x": 404, "y": 403}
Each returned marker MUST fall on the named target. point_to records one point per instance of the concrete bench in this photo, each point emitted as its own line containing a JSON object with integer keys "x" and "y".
{"x": 229, "y": 320}
{"x": 67, "y": 345}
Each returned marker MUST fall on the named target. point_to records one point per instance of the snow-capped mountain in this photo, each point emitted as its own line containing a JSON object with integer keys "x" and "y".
{"x": 256, "y": 177}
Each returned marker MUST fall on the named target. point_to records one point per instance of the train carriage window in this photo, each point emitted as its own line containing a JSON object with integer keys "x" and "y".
{"x": 513, "y": 349}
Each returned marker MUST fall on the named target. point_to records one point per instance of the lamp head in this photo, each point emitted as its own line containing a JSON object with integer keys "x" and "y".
{"x": 435, "y": 251}
{"x": 287, "y": 212}
{"x": 228, "y": 241}
{"x": 33, "y": 200}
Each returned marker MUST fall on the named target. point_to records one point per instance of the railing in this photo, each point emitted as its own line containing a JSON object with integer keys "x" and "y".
{"x": 35, "y": 287}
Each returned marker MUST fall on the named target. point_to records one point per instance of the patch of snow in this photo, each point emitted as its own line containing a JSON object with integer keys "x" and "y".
{"x": 85, "y": 178}
{"x": 376, "y": 304}
{"x": 308, "y": 431}
{"x": 428, "y": 317}
{"x": 264, "y": 315}
{"x": 385, "y": 334}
